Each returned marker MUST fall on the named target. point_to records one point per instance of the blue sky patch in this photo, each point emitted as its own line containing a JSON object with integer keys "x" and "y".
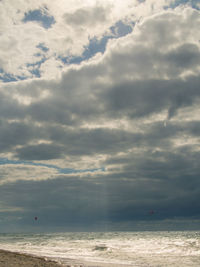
{"x": 7, "y": 77}
{"x": 40, "y": 16}
{"x": 192, "y": 3}
{"x": 121, "y": 29}
{"x": 95, "y": 46}
{"x": 42, "y": 47}
{"x": 36, "y": 66}
{"x": 4, "y": 161}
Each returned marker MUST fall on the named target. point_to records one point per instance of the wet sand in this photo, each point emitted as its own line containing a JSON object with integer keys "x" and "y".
{"x": 15, "y": 259}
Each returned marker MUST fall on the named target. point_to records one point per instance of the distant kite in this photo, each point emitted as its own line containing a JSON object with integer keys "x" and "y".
{"x": 151, "y": 212}
{"x": 36, "y": 218}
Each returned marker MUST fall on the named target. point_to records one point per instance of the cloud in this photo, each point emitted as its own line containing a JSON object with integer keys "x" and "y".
{"x": 39, "y": 152}
{"x": 100, "y": 92}
{"x": 15, "y": 172}
{"x": 22, "y": 33}
{"x": 26, "y": 25}
{"x": 130, "y": 114}
{"x": 86, "y": 16}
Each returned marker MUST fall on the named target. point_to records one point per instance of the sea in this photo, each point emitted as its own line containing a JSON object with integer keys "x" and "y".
{"x": 141, "y": 249}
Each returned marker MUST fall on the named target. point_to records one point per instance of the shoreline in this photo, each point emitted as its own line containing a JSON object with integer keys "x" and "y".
{"x": 18, "y": 259}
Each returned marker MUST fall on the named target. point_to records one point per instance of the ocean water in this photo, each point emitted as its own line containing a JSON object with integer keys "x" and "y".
{"x": 141, "y": 249}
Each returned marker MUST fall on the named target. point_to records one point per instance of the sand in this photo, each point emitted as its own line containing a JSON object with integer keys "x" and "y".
{"x": 13, "y": 259}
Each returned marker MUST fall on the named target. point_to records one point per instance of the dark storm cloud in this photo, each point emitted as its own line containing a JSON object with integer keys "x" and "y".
{"x": 9, "y": 108}
{"x": 72, "y": 201}
{"x": 51, "y": 111}
{"x": 185, "y": 56}
{"x": 59, "y": 201}
{"x": 101, "y": 141}
{"x": 133, "y": 100}
{"x": 156, "y": 151}
{"x": 39, "y": 152}
{"x": 142, "y": 98}
{"x": 165, "y": 178}
{"x": 168, "y": 183}
{"x": 16, "y": 133}
{"x": 78, "y": 143}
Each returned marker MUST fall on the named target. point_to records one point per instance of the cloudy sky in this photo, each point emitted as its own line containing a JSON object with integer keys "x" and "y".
{"x": 99, "y": 114}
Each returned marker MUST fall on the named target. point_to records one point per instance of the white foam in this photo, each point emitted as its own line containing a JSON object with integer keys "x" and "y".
{"x": 130, "y": 248}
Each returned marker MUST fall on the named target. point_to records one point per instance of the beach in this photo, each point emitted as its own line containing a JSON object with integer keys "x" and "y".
{"x": 14, "y": 259}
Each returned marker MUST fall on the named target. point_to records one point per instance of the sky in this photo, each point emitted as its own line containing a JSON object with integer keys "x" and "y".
{"x": 99, "y": 115}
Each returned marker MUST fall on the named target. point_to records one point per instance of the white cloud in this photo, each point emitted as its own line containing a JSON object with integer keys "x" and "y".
{"x": 75, "y": 22}
{"x": 10, "y": 173}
